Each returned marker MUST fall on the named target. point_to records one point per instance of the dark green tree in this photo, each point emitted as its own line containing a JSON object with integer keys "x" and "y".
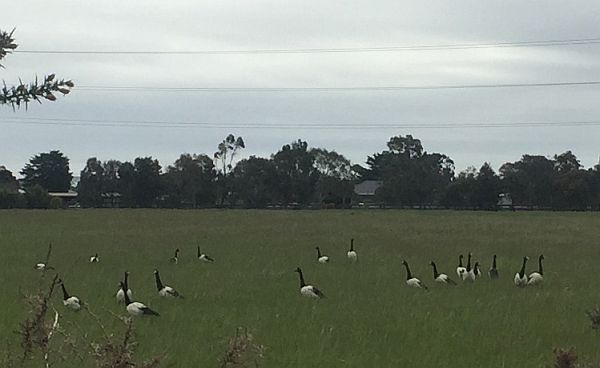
{"x": 224, "y": 156}
{"x": 487, "y": 188}
{"x": 127, "y": 184}
{"x": 49, "y": 170}
{"x": 296, "y": 174}
{"x": 255, "y": 180}
{"x": 37, "y": 197}
{"x": 8, "y": 182}
{"x": 460, "y": 192}
{"x": 190, "y": 182}
{"x": 336, "y": 178}
{"x": 529, "y": 181}
{"x": 147, "y": 183}
{"x": 90, "y": 188}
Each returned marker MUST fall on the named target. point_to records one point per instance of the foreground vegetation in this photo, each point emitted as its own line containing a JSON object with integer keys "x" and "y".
{"x": 369, "y": 318}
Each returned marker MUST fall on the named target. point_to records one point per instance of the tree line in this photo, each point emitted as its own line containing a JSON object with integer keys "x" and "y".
{"x": 299, "y": 176}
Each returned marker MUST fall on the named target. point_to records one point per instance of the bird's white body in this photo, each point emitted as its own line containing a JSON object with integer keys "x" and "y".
{"x": 309, "y": 292}
{"x": 468, "y": 275}
{"x": 121, "y": 295}
{"x": 205, "y": 258}
{"x": 323, "y": 259}
{"x": 443, "y": 278}
{"x": 72, "y": 302}
{"x": 94, "y": 259}
{"x": 460, "y": 271}
{"x": 40, "y": 266}
{"x": 352, "y": 256}
{"x": 414, "y": 282}
{"x": 136, "y": 308}
{"x": 520, "y": 281}
{"x": 168, "y": 292}
{"x": 535, "y": 279}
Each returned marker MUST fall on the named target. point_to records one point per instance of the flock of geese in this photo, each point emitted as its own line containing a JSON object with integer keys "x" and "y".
{"x": 465, "y": 273}
{"x": 124, "y": 294}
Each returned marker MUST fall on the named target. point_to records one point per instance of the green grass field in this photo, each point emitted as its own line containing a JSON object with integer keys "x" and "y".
{"x": 370, "y": 317}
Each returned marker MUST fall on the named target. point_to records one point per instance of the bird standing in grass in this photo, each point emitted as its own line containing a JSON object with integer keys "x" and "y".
{"x": 460, "y": 269}
{"x": 137, "y": 308}
{"x": 469, "y": 274}
{"x": 412, "y": 281}
{"x": 94, "y": 258}
{"x": 164, "y": 290}
{"x": 537, "y": 278}
{"x": 204, "y": 257}
{"x": 441, "y": 277}
{"x": 321, "y": 257}
{"x": 175, "y": 258}
{"x": 69, "y": 301}
{"x": 493, "y": 272}
{"x": 521, "y": 277}
{"x": 125, "y": 289}
{"x": 352, "y": 256}
{"x": 308, "y": 291}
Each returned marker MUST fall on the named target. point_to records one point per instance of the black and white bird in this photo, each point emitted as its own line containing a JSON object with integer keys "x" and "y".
{"x": 521, "y": 277}
{"x": 352, "y": 256}
{"x": 308, "y": 291}
{"x": 321, "y": 257}
{"x": 137, "y": 308}
{"x": 94, "y": 258}
{"x": 493, "y": 271}
{"x": 43, "y": 266}
{"x": 412, "y": 281}
{"x": 460, "y": 269}
{"x": 469, "y": 274}
{"x": 441, "y": 277}
{"x": 537, "y": 278}
{"x": 124, "y": 289}
{"x": 69, "y": 301}
{"x": 164, "y": 290}
{"x": 204, "y": 257}
{"x": 476, "y": 270}
{"x": 175, "y": 258}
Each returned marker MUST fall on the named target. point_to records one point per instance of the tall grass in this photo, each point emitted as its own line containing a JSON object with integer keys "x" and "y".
{"x": 370, "y": 317}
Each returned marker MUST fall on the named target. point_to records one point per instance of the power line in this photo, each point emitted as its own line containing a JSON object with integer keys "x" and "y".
{"x": 327, "y": 89}
{"x": 456, "y": 46}
{"x": 288, "y": 125}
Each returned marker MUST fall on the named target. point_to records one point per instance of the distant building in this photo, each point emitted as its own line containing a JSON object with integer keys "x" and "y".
{"x": 505, "y": 202}
{"x": 365, "y": 192}
{"x": 69, "y": 199}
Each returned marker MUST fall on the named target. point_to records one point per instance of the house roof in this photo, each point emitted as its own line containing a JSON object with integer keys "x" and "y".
{"x": 367, "y": 187}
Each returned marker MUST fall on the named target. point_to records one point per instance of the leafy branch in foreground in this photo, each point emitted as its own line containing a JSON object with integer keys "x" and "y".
{"x": 24, "y": 93}
{"x": 242, "y": 351}
{"x": 7, "y": 44}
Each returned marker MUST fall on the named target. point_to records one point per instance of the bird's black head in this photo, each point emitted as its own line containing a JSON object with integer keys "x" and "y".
{"x": 431, "y": 263}
{"x": 526, "y": 258}
{"x": 461, "y": 256}
{"x": 127, "y": 273}
{"x": 155, "y": 271}
{"x": 121, "y": 285}
{"x": 298, "y": 269}
{"x": 404, "y": 262}
{"x": 541, "y": 256}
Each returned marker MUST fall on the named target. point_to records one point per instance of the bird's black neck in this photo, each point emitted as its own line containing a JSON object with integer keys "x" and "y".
{"x": 65, "y": 294}
{"x": 199, "y": 252}
{"x": 541, "y": 271}
{"x": 159, "y": 284}
{"x": 460, "y": 258}
{"x": 469, "y": 262}
{"x": 318, "y": 252}
{"x": 126, "y": 282}
{"x": 127, "y": 300}
{"x": 494, "y": 262}
{"x": 302, "y": 283}
{"x": 351, "y": 245}
{"x": 408, "y": 274}
{"x": 176, "y": 252}
{"x": 522, "y": 272}
{"x": 435, "y": 271}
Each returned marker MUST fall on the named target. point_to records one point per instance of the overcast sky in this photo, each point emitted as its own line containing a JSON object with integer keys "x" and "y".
{"x": 242, "y": 25}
